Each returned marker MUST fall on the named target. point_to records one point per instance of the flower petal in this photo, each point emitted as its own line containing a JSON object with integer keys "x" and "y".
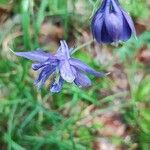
{"x": 63, "y": 51}
{"x": 83, "y": 67}
{"x": 105, "y": 37}
{"x": 113, "y": 22}
{"x": 39, "y": 55}
{"x": 37, "y": 66}
{"x": 98, "y": 21}
{"x": 66, "y": 71}
{"x": 57, "y": 86}
{"x": 64, "y": 48}
{"x": 43, "y": 76}
{"x": 82, "y": 80}
{"x": 130, "y": 22}
{"x": 128, "y": 25}
{"x": 126, "y": 31}
{"x": 96, "y": 26}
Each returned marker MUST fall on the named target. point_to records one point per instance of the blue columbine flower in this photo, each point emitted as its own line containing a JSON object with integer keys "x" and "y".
{"x": 111, "y": 23}
{"x": 62, "y": 66}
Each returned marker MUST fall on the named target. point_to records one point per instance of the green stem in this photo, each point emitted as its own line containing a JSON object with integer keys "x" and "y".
{"x": 82, "y": 46}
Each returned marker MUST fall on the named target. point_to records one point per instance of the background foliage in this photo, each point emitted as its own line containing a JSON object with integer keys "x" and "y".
{"x": 76, "y": 118}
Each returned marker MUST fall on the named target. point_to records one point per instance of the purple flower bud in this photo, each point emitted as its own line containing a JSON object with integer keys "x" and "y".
{"x": 111, "y": 23}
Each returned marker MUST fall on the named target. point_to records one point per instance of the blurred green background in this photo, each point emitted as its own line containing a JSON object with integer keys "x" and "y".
{"x": 113, "y": 114}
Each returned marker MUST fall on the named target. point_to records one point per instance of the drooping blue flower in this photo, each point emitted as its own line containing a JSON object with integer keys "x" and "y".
{"x": 61, "y": 65}
{"x": 111, "y": 23}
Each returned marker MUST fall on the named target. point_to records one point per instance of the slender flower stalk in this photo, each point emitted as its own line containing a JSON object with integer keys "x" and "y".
{"x": 62, "y": 66}
{"x": 111, "y": 23}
